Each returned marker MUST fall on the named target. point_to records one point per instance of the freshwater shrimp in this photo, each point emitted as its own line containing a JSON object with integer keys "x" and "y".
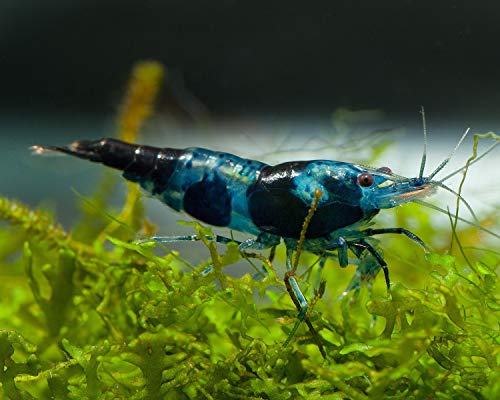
{"x": 323, "y": 207}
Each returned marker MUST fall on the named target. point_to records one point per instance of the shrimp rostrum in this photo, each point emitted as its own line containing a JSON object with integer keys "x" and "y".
{"x": 320, "y": 206}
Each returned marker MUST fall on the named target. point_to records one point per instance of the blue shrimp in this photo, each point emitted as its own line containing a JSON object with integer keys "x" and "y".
{"x": 271, "y": 202}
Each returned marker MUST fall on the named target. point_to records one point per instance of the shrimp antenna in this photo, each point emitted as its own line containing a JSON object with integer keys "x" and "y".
{"x": 424, "y": 153}
{"x": 472, "y": 162}
{"x": 442, "y": 165}
{"x": 432, "y": 206}
{"x": 441, "y": 185}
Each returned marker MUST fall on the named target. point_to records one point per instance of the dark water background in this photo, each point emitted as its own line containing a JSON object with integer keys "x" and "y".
{"x": 257, "y": 79}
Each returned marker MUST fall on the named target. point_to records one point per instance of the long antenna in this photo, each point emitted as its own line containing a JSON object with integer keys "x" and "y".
{"x": 443, "y": 186}
{"x": 472, "y": 162}
{"x": 424, "y": 154}
{"x": 432, "y": 206}
{"x": 442, "y": 165}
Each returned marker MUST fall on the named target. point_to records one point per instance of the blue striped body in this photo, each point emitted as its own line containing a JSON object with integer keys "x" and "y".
{"x": 249, "y": 196}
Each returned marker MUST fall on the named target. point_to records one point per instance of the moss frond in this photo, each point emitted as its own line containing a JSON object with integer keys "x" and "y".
{"x": 38, "y": 225}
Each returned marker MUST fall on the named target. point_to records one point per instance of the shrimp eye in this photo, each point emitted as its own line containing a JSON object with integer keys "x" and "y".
{"x": 365, "y": 180}
{"x": 385, "y": 170}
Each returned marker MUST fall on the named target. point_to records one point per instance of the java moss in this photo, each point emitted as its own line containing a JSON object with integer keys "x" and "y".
{"x": 89, "y": 314}
{"x": 126, "y": 322}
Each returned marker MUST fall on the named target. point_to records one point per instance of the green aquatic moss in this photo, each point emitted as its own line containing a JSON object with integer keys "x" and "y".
{"x": 112, "y": 319}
